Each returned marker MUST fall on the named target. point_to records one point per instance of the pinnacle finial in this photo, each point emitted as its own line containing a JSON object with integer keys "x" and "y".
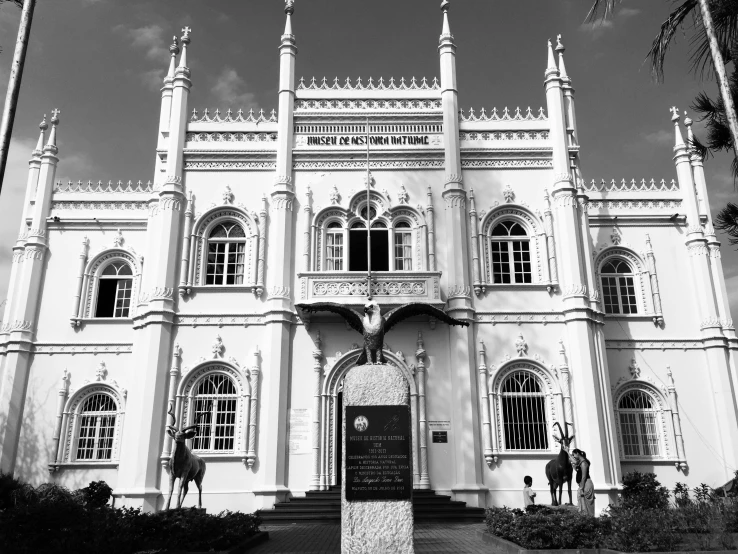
{"x": 289, "y": 7}
{"x": 559, "y": 45}
{"x": 43, "y": 125}
{"x": 174, "y": 48}
{"x": 674, "y": 113}
{"x": 186, "y": 35}
{"x": 445, "y": 6}
{"x": 54, "y": 116}
{"x": 679, "y": 139}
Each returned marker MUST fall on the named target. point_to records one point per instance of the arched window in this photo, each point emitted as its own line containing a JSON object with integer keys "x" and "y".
{"x": 96, "y": 428}
{"x": 618, "y": 287}
{"x": 510, "y": 250}
{"x": 334, "y": 247}
{"x": 403, "y": 246}
{"x": 523, "y": 412}
{"x": 358, "y": 245}
{"x": 114, "y": 291}
{"x": 215, "y": 405}
{"x": 226, "y": 254}
{"x": 639, "y": 424}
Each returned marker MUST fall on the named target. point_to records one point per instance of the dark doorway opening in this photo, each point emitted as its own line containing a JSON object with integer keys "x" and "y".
{"x": 357, "y": 249}
{"x": 339, "y": 442}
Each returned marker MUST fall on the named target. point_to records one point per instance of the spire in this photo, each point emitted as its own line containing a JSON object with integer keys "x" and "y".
{"x": 51, "y": 145}
{"x": 185, "y": 42}
{"x": 173, "y": 50}
{"x": 289, "y": 9}
{"x": 40, "y": 146}
{"x": 679, "y": 140}
{"x": 551, "y": 69}
{"x": 446, "y": 32}
{"x": 562, "y": 68}
{"x": 690, "y": 137}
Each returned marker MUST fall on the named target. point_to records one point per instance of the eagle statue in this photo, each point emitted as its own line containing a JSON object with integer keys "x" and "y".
{"x": 373, "y": 325}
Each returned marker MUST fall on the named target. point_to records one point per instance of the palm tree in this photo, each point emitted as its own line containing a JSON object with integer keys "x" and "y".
{"x": 716, "y": 27}
{"x": 16, "y": 74}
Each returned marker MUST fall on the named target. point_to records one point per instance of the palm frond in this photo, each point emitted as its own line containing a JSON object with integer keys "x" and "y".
{"x": 662, "y": 42}
{"x": 727, "y": 222}
{"x": 18, "y": 3}
{"x": 603, "y": 7}
{"x": 725, "y": 24}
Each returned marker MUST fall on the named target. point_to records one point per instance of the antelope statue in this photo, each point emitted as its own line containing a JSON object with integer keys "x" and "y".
{"x": 183, "y": 464}
{"x": 559, "y": 470}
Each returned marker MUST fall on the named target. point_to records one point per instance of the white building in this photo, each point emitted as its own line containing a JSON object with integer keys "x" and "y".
{"x": 599, "y": 305}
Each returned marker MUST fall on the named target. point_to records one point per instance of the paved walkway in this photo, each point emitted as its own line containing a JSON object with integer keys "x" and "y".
{"x": 441, "y": 538}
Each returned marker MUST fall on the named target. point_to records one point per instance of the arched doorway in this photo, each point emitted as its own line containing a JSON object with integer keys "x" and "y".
{"x": 331, "y": 423}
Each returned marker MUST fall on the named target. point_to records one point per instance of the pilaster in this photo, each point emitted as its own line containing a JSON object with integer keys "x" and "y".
{"x": 272, "y": 440}
{"x": 467, "y": 481}
{"x": 140, "y": 469}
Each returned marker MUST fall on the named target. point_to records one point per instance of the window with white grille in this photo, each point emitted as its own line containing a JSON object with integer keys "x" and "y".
{"x": 403, "y": 246}
{"x": 334, "y": 239}
{"x": 639, "y": 424}
{"x": 510, "y": 254}
{"x": 618, "y": 287}
{"x": 96, "y": 428}
{"x": 523, "y": 412}
{"x": 214, "y": 410}
{"x": 226, "y": 255}
{"x": 114, "y": 290}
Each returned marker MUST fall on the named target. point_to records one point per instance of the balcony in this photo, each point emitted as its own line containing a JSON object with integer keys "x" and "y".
{"x": 388, "y": 288}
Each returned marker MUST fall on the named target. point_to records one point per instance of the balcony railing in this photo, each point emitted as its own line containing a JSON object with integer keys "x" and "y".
{"x": 350, "y": 287}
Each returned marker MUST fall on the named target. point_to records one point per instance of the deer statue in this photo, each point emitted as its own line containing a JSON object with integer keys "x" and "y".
{"x": 559, "y": 470}
{"x": 183, "y": 464}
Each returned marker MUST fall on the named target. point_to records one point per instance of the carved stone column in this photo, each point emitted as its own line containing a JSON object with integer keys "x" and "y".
{"x": 317, "y": 370}
{"x": 681, "y": 463}
{"x": 174, "y": 373}
{"x": 484, "y": 399}
{"x": 254, "y": 374}
{"x": 422, "y": 418}
{"x": 60, "y": 403}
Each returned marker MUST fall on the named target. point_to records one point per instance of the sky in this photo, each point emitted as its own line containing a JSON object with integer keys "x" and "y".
{"x": 101, "y": 62}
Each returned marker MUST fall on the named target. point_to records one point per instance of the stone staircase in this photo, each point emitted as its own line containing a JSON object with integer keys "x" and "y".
{"x": 325, "y": 507}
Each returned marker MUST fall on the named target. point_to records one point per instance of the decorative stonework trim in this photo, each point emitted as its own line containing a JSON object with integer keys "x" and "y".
{"x": 52, "y": 348}
{"x": 358, "y": 85}
{"x": 519, "y": 318}
{"x": 654, "y": 204}
{"x": 674, "y": 344}
{"x": 641, "y": 276}
{"x": 219, "y": 320}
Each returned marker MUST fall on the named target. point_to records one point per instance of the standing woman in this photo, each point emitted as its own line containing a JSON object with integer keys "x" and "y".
{"x": 586, "y": 494}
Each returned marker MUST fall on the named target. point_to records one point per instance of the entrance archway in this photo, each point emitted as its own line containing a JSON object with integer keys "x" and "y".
{"x": 331, "y": 423}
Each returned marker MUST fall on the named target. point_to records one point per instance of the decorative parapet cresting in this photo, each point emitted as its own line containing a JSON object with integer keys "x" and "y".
{"x": 371, "y": 85}
{"x": 506, "y": 116}
{"x": 216, "y": 117}
{"x": 631, "y": 186}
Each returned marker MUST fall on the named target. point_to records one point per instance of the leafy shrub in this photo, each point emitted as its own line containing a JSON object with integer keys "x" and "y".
{"x": 54, "y": 520}
{"x": 544, "y": 527}
{"x": 97, "y": 493}
{"x": 637, "y": 529}
{"x": 8, "y": 485}
{"x": 643, "y": 491}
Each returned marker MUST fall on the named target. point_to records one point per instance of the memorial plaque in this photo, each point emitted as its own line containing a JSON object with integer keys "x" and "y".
{"x": 440, "y": 436}
{"x": 378, "y": 463}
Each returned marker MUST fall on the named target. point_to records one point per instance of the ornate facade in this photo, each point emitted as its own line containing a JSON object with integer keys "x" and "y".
{"x": 599, "y": 305}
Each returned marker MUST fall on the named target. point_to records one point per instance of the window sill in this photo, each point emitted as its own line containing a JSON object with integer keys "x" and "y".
{"x": 221, "y": 456}
{"x": 84, "y": 464}
{"x": 207, "y": 289}
{"x": 77, "y": 321}
{"x": 518, "y": 286}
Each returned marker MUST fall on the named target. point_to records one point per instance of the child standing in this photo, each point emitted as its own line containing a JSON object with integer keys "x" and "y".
{"x": 529, "y": 497}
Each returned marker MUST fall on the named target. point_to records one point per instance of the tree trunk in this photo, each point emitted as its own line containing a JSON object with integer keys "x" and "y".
{"x": 717, "y": 60}
{"x": 16, "y": 74}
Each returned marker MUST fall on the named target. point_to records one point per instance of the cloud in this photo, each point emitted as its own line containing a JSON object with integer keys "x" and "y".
{"x": 149, "y": 39}
{"x": 629, "y": 12}
{"x": 597, "y": 28}
{"x": 153, "y": 79}
{"x": 660, "y": 138}
{"x": 230, "y": 89}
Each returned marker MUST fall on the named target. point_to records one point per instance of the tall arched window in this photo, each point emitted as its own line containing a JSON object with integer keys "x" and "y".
{"x": 334, "y": 247}
{"x": 510, "y": 249}
{"x": 215, "y": 407}
{"x": 403, "y": 246}
{"x": 358, "y": 245}
{"x": 618, "y": 287}
{"x": 226, "y": 254}
{"x": 523, "y": 411}
{"x": 639, "y": 425}
{"x": 114, "y": 290}
{"x": 96, "y": 427}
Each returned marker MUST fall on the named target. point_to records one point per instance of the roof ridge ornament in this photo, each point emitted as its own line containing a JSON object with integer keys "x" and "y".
{"x": 289, "y": 7}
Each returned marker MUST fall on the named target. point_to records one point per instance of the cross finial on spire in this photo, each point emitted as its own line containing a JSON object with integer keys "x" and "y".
{"x": 559, "y": 46}
{"x": 186, "y": 35}
{"x": 54, "y": 116}
{"x": 674, "y": 113}
{"x": 289, "y": 7}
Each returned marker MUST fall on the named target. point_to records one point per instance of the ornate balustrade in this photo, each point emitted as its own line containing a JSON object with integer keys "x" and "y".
{"x": 350, "y": 287}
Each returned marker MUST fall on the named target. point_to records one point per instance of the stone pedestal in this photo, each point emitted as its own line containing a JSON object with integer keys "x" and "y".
{"x": 377, "y": 525}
